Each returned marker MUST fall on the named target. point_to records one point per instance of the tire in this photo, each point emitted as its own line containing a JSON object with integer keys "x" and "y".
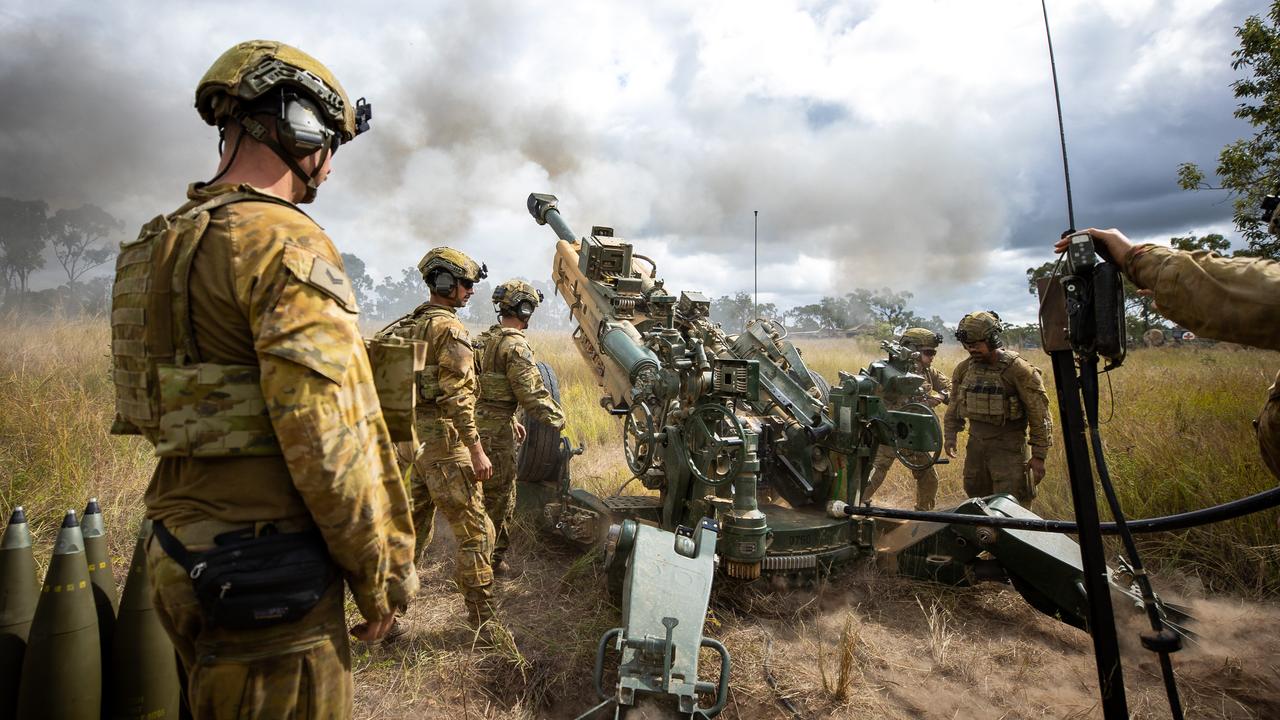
{"x": 539, "y": 456}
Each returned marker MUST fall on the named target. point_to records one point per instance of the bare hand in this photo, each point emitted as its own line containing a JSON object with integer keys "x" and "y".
{"x": 1117, "y": 245}
{"x": 480, "y": 463}
{"x": 1037, "y": 469}
{"x": 950, "y": 449}
{"x": 521, "y": 433}
{"x": 373, "y": 630}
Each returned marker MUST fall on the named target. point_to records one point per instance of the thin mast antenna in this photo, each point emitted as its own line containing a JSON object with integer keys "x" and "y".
{"x": 755, "y": 265}
{"x": 1062, "y": 133}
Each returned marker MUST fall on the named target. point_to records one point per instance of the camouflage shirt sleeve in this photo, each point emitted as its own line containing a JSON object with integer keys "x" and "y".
{"x": 458, "y": 385}
{"x": 320, "y": 394}
{"x": 1232, "y": 299}
{"x": 941, "y": 384}
{"x": 526, "y": 384}
{"x": 953, "y": 420}
{"x": 1029, "y": 383}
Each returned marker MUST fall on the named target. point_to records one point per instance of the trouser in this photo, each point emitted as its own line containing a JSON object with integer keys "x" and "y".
{"x": 998, "y": 464}
{"x": 296, "y": 670}
{"x": 443, "y": 479}
{"x": 500, "y": 490}
{"x": 1268, "y": 425}
{"x": 926, "y": 479}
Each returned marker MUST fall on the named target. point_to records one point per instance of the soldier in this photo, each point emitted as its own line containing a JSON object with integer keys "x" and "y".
{"x": 236, "y": 354}
{"x": 509, "y": 378}
{"x": 1003, "y": 398}
{"x": 935, "y": 391}
{"x": 452, "y": 463}
{"x": 1234, "y": 299}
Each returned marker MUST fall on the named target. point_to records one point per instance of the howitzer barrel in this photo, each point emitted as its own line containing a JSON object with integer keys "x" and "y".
{"x": 542, "y": 207}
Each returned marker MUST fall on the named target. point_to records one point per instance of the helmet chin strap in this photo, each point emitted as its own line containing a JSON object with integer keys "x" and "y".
{"x": 311, "y": 181}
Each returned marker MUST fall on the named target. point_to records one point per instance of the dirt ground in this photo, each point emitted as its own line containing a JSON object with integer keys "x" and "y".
{"x": 858, "y": 643}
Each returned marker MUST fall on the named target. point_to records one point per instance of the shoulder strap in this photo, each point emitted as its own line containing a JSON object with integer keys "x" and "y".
{"x": 186, "y": 252}
{"x": 173, "y": 547}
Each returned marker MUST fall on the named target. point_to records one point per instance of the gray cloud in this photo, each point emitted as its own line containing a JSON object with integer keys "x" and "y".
{"x": 635, "y": 118}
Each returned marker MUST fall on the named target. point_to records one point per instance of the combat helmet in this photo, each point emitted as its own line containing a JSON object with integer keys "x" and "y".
{"x": 310, "y": 109}
{"x": 516, "y": 298}
{"x": 918, "y": 338}
{"x": 980, "y": 326}
{"x": 443, "y": 267}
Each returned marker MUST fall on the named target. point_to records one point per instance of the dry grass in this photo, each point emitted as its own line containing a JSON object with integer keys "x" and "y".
{"x": 857, "y": 644}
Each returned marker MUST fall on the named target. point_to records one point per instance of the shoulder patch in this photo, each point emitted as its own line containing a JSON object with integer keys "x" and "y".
{"x": 320, "y": 274}
{"x": 329, "y": 278}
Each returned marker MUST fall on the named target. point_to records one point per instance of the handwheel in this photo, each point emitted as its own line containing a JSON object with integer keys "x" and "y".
{"x": 716, "y": 444}
{"x": 919, "y": 408}
{"x": 639, "y": 439}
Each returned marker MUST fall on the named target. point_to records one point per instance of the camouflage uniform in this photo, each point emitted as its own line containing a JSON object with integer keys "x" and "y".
{"x": 1002, "y": 402}
{"x": 288, "y": 436}
{"x": 442, "y": 473}
{"x": 1232, "y": 299}
{"x": 509, "y": 378}
{"x": 935, "y": 391}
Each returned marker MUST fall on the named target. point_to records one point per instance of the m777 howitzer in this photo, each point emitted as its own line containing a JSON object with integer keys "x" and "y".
{"x": 737, "y": 428}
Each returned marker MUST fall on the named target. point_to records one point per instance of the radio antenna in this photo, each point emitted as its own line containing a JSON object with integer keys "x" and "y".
{"x": 1062, "y": 133}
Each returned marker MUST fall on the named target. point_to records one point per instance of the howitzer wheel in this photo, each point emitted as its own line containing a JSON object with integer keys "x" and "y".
{"x": 906, "y": 455}
{"x": 539, "y": 456}
{"x": 639, "y": 439}
{"x": 716, "y": 444}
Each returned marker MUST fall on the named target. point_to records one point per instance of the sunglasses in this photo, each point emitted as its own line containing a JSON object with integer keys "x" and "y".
{"x": 466, "y": 283}
{"x": 928, "y": 352}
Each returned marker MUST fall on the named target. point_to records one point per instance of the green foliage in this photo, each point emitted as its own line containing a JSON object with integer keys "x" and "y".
{"x": 79, "y": 239}
{"x": 23, "y": 227}
{"x": 1249, "y": 168}
{"x": 734, "y": 312}
{"x": 1213, "y": 242}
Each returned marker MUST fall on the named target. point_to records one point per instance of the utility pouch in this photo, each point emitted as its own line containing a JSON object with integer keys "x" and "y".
{"x": 396, "y": 362}
{"x": 255, "y": 582}
{"x": 210, "y": 410}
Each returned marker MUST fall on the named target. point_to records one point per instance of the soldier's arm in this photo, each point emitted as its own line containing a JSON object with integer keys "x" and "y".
{"x": 941, "y": 385}
{"x": 1232, "y": 299}
{"x": 458, "y": 384}
{"x": 953, "y": 420}
{"x": 1035, "y": 399}
{"x": 319, "y": 391}
{"x": 526, "y": 383}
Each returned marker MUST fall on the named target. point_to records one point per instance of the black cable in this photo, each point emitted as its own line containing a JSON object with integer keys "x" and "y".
{"x": 1089, "y": 391}
{"x": 1264, "y": 500}
{"x": 231, "y": 160}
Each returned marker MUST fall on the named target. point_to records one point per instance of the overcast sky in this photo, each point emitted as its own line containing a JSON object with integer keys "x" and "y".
{"x": 900, "y": 143}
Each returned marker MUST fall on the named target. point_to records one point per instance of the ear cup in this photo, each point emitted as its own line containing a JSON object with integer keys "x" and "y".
{"x": 442, "y": 283}
{"x": 524, "y": 310}
{"x": 299, "y": 127}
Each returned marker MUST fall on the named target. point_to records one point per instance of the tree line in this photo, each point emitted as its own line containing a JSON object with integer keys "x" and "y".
{"x": 80, "y": 239}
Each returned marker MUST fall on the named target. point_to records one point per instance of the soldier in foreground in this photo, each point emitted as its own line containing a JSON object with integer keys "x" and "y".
{"x": 452, "y": 464}
{"x": 1233, "y": 299}
{"x": 1003, "y": 398}
{"x": 509, "y": 378}
{"x": 935, "y": 391}
{"x": 236, "y": 354}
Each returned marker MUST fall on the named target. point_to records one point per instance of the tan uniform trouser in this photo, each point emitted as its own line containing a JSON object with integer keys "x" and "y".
{"x": 1268, "y": 425}
{"x": 296, "y": 670}
{"x": 998, "y": 464}
{"x": 926, "y": 479}
{"x": 443, "y": 478}
{"x": 500, "y": 490}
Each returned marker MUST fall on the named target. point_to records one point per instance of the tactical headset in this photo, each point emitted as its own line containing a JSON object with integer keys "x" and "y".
{"x": 523, "y": 309}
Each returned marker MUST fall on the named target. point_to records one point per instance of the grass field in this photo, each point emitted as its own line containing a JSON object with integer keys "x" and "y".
{"x": 1178, "y": 438}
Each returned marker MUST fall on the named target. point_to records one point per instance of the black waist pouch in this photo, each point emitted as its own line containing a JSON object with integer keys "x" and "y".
{"x": 247, "y": 583}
